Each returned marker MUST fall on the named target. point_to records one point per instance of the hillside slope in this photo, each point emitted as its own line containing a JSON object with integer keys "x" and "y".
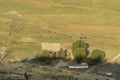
{"x": 59, "y": 21}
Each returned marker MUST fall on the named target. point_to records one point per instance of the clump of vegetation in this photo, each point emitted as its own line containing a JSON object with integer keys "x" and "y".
{"x": 78, "y": 44}
{"x": 49, "y": 57}
{"x": 50, "y": 54}
{"x": 80, "y": 53}
{"x": 61, "y": 54}
{"x": 97, "y": 56}
{"x": 79, "y": 50}
{"x": 45, "y": 55}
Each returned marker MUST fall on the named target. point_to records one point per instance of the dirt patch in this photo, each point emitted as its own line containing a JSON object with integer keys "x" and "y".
{"x": 14, "y": 13}
{"x": 28, "y": 39}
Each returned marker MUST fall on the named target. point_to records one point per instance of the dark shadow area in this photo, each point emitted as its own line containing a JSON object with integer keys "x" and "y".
{"x": 42, "y": 60}
{"x": 42, "y": 69}
{"x": 87, "y": 48}
{"x": 108, "y": 70}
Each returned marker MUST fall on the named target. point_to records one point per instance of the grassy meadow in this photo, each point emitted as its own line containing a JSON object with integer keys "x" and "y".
{"x": 61, "y": 21}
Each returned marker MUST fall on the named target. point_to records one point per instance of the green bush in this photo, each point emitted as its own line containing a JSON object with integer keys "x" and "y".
{"x": 49, "y": 57}
{"x": 97, "y": 56}
{"x": 78, "y": 44}
{"x": 80, "y": 50}
{"x": 80, "y": 55}
{"x": 45, "y": 55}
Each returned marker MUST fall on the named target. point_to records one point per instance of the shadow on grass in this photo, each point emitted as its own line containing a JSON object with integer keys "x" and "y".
{"x": 42, "y": 60}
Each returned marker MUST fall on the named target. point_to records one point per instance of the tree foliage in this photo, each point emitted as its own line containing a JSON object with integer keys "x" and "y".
{"x": 78, "y": 44}
{"x": 80, "y": 55}
{"x": 97, "y": 56}
{"x": 79, "y": 50}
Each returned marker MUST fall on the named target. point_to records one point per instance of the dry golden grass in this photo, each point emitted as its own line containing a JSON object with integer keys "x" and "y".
{"x": 35, "y": 3}
{"x": 66, "y": 21}
{"x": 103, "y": 37}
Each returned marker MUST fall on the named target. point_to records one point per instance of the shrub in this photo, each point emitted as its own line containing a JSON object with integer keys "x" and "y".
{"x": 44, "y": 55}
{"x": 97, "y": 56}
{"x": 80, "y": 50}
{"x": 80, "y": 55}
{"x": 61, "y": 54}
{"x": 49, "y": 57}
{"x": 78, "y": 44}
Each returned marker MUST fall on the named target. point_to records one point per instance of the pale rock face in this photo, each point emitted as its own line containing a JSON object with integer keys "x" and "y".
{"x": 51, "y": 46}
